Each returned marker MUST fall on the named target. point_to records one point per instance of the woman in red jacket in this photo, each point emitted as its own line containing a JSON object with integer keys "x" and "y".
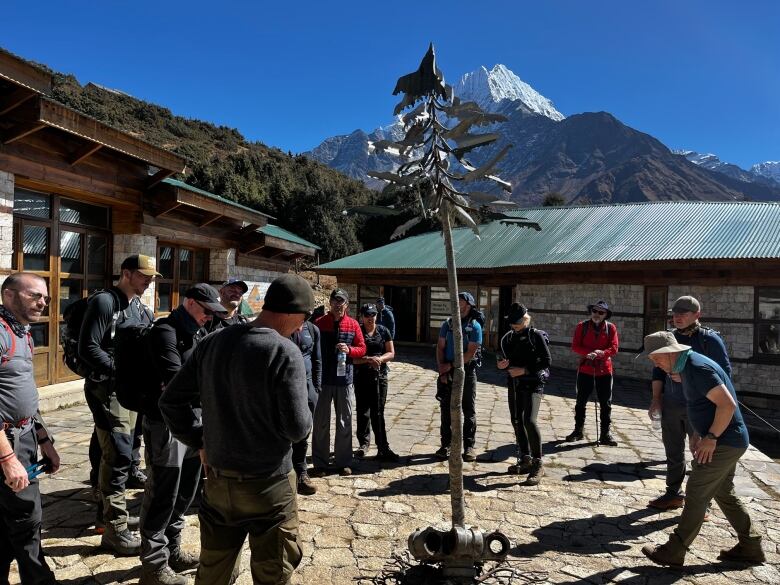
{"x": 596, "y": 341}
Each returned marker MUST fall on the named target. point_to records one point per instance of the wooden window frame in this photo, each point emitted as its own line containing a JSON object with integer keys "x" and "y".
{"x": 649, "y": 317}
{"x": 176, "y": 282}
{"x": 759, "y": 357}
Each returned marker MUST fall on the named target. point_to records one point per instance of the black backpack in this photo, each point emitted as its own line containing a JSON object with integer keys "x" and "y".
{"x": 544, "y": 374}
{"x": 69, "y": 334}
{"x": 133, "y": 370}
{"x": 478, "y": 316}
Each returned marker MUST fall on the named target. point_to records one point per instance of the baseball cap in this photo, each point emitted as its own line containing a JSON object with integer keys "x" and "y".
{"x": 289, "y": 294}
{"x": 380, "y": 301}
{"x": 236, "y": 282}
{"x": 368, "y": 309}
{"x": 143, "y": 264}
{"x": 686, "y": 304}
{"x": 468, "y": 297}
{"x": 206, "y": 295}
{"x": 339, "y": 293}
{"x": 663, "y": 342}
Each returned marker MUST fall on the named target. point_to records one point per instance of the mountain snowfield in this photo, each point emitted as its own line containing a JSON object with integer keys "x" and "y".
{"x": 765, "y": 170}
{"x": 769, "y": 169}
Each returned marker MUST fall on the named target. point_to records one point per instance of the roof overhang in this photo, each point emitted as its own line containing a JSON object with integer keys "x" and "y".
{"x": 259, "y": 244}
{"x": 24, "y": 74}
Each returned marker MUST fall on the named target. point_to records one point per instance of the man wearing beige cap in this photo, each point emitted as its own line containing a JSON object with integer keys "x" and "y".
{"x": 107, "y": 312}
{"x": 669, "y": 401}
{"x": 719, "y": 439}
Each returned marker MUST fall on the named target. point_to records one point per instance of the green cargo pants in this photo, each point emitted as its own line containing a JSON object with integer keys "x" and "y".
{"x": 708, "y": 481}
{"x": 266, "y": 510}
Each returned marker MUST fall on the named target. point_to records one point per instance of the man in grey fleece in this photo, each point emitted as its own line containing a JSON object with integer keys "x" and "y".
{"x": 251, "y": 383}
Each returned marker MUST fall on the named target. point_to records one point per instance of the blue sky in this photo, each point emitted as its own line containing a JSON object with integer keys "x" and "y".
{"x": 698, "y": 74}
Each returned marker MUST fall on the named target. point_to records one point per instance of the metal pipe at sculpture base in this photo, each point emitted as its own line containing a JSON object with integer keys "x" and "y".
{"x": 459, "y": 551}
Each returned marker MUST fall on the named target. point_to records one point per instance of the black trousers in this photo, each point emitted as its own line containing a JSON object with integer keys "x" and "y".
{"x": 585, "y": 386}
{"x": 443, "y": 393}
{"x": 95, "y": 453}
{"x": 370, "y": 399}
{"x": 300, "y": 448}
{"x": 20, "y": 522}
{"x": 524, "y": 402}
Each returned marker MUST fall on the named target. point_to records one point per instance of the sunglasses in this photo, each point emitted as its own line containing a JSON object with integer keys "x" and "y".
{"x": 597, "y": 312}
{"x": 34, "y": 296}
{"x": 337, "y": 301}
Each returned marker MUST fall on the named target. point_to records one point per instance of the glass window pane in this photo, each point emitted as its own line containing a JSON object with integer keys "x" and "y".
{"x": 165, "y": 265}
{"x": 95, "y": 284}
{"x": 70, "y": 252}
{"x": 70, "y": 292}
{"x": 769, "y": 303}
{"x": 182, "y": 289}
{"x": 185, "y": 264}
{"x": 769, "y": 338}
{"x": 83, "y": 213}
{"x": 199, "y": 266}
{"x": 33, "y": 204}
{"x": 164, "y": 298}
{"x": 40, "y": 334}
{"x": 97, "y": 250}
{"x": 35, "y": 245}
{"x": 493, "y": 316}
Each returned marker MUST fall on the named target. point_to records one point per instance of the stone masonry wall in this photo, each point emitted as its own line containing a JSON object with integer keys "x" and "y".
{"x": 128, "y": 244}
{"x": 6, "y": 221}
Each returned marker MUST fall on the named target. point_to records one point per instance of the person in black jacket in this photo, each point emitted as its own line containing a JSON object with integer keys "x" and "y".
{"x": 117, "y": 307}
{"x": 525, "y": 357}
{"x": 230, "y": 294}
{"x": 308, "y": 341}
{"x": 174, "y": 468}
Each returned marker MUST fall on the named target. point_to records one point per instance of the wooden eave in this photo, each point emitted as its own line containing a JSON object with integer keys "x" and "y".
{"x": 215, "y": 209}
{"x": 261, "y": 245}
{"x": 22, "y": 73}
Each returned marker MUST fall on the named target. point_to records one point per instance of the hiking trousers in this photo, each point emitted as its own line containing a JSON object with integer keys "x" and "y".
{"x": 586, "y": 384}
{"x": 469, "y": 405}
{"x": 524, "y": 402}
{"x": 341, "y": 397}
{"x": 173, "y": 476}
{"x": 114, "y": 425}
{"x": 675, "y": 430}
{"x": 299, "y": 449}
{"x": 370, "y": 399}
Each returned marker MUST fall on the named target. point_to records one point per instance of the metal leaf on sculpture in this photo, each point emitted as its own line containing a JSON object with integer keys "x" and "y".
{"x": 482, "y": 171}
{"x": 464, "y": 217}
{"x": 427, "y": 80}
{"x": 392, "y": 177}
{"x": 481, "y": 197}
{"x": 405, "y": 227}
{"x": 418, "y": 114}
{"x": 375, "y": 210}
{"x": 504, "y": 204}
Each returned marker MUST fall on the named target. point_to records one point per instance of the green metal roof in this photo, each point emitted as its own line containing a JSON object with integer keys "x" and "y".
{"x": 281, "y": 233}
{"x": 186, "y": 187}
{"x": 670, "y": 230}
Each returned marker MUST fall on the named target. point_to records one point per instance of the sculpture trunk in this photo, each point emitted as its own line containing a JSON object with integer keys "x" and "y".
{"x": 456, "y": 396}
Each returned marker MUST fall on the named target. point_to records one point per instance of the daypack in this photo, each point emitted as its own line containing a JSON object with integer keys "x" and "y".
{"x": 478, "y": 316}
{"x": 69, "y": 334}
{"x": 586, "y": 324}
{"x": 544, "y": 374}
{"x": 6, "y": 357}
{"x": 133, "y": 370}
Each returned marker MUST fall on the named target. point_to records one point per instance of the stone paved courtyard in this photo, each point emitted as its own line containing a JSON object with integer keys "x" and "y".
{"x": 586, "y": 522}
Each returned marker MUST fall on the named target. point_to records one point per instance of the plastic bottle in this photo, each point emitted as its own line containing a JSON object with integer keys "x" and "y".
{"x": 656, "y": 416}
{"x": 341, "y": 364}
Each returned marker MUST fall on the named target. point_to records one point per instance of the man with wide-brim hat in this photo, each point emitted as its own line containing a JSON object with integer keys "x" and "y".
{"x": 595, "y": 340}
{"x": 251, "y": 382}
{"x": 719, "y": 439}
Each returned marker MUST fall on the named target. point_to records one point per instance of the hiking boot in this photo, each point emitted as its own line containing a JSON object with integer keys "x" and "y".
{"x": 523, "y": 465}
{"x": 608, "y": 440}
{"x": 536, "y": 473}
{"x": 345, "y": 471}
{"x": 305, "y": 485}
{"x": 162, "y": 576}
{"x": 361, "y": 451}
{"x": 180, "y": 560}
{"x": 318, "y": 472}
{"x": 469, "y": 454}
{"x": 668, "y": 502}
{"x": 575, "y": 435}
{"x": 443, "y": 453}
{"x": 136, "y": 480}
{"x": 387, "y": 455}
{"x": 741, "y": 553}
{"x": 133, "y": 522}
{"x": 124, "y": 543}
{"x": 663, "y": 554}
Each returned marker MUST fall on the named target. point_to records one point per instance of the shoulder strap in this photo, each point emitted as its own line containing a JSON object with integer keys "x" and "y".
{"x": 584, "y": 330}
{"x": 11, "y": 343}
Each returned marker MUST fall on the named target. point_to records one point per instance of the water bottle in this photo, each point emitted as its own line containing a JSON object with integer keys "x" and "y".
{"x": 341, "y": 364}
{"x": 656, "y": 416}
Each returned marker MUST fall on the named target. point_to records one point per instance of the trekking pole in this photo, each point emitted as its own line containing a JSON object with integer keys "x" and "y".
{"x": 596, "y": 408}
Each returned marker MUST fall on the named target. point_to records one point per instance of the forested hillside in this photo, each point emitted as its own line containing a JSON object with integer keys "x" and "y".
{"x": 304, "y": 196}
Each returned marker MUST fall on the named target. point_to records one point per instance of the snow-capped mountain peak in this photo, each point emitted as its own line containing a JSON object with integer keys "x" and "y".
{"x": 488, "y": 88}
{"x": 769, "y": 169}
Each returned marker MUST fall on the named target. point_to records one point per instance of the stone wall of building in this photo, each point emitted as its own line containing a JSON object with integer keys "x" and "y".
{"x": 128, "y": 244}
{"x": 558, "y": 308}
{"x": 222, "y": 266}
{"x": 6, "y": 221}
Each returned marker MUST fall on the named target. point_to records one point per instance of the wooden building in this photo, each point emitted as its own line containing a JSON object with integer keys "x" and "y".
{"x": 638, "y": 257}
{"x": 77, "y": 196}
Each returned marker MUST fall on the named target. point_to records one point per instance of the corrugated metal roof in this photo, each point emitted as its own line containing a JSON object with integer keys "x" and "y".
{"x": 276, "y": 232}
{"x": 670, "y": 230}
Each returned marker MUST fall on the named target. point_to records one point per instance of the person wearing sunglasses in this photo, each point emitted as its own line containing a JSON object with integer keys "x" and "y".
{"x": 24, "y": 297}
{"x": 595, "y": 341}
{"x": 174, "y": 468}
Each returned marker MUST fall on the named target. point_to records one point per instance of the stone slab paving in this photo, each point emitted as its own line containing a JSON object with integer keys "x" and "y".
{"x": 585, "y": 523}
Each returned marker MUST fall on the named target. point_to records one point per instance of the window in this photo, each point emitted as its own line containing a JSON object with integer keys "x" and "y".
{"x": 656, "y": 311}
{"x": 180, "y": 269}
{"x": 768, "y": 323}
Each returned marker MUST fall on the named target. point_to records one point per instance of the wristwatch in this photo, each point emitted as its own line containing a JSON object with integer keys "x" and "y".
{"x": 711, "y": 436}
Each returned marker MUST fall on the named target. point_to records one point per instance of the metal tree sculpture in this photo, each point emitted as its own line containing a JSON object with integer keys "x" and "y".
{"x": 433, "y": 153}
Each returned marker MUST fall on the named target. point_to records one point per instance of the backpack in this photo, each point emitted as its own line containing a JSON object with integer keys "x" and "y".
{"x": 133, "y": 372}
{"x": 478, "y": 316}
{"x": 12, "y": 343}
{"x": 544, "y": 374}
{"x": 584, "y": 331}
{"x": 69, "y": 334}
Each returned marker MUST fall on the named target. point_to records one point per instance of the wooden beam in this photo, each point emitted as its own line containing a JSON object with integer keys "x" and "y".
{"x": 247, "y": 229}
{"x": 207, "y": 220}
{"x": 252, "y": 248}
{"x": 21, "y": 130}
{"x": 168, "y": 208}
{"x": 84, "y": 152}
{"x": 206, "y": 203}
{"x": 158, "y": 178}
{"x": 20, "y": 72}
{"x": 15, "y": 99}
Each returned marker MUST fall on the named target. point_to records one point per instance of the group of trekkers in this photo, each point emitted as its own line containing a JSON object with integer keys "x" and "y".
{"x": 227, "y": 406}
